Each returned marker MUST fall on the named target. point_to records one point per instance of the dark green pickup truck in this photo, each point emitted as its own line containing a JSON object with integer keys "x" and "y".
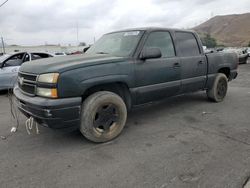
{"x": 94, "y": 91}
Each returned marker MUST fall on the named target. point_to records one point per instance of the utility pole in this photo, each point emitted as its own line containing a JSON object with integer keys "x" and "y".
{"x": 77, "y": 35}
{"x": 3, "y": 45}
{"x": 45, "y": 46}
{"x": 2, "y": 37}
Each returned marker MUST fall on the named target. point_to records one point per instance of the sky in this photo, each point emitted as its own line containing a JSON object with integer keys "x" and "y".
{"x": 38, "y": 22}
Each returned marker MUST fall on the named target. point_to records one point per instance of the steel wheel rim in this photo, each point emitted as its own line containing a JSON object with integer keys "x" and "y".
{"x": 106, "y": 119}
{"x": 221, "y": 88}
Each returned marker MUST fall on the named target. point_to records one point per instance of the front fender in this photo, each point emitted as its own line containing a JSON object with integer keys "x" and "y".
{"x": 75, "y": 82}
{"x": 86, "y": 84}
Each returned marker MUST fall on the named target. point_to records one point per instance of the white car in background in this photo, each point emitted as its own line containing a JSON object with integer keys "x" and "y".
{"x": 9, "y": 66}
{"x": 59, "y": 54}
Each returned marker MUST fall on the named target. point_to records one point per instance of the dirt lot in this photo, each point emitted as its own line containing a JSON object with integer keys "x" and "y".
{"x": 185, "y": 141}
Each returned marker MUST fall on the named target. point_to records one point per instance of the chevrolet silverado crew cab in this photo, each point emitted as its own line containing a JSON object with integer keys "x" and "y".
{"x": 93, "y": 92}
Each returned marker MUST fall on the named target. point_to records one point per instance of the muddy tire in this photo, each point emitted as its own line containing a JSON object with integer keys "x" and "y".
{"x": 219, "y": 90}
{"x": 103, "y": 116}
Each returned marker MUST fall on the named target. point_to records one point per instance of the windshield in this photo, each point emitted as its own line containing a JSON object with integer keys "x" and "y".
{"x": 120, "y": 44}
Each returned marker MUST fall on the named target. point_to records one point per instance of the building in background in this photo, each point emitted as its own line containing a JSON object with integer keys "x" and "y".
{"x": 43, "y": 48}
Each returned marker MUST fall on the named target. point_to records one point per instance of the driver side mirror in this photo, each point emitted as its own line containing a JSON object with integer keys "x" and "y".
{"x": 150, "y": 53}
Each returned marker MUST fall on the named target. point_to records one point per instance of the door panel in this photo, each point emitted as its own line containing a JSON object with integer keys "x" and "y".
{"x": 193, "y": 62}
{"x": 160, "y": 77}
{"x": 156, "y": 79}
{"x": 193, "y": 74}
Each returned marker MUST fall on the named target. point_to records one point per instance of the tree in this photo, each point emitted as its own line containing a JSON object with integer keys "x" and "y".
{"x": 209, "y": 41}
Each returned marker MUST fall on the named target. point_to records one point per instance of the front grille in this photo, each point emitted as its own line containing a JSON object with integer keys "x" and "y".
{"x": 30, "y": 77}
{"x": 27, "y": 83}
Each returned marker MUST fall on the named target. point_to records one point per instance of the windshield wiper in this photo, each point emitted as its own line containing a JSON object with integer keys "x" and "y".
{"x": 102, "y": 53}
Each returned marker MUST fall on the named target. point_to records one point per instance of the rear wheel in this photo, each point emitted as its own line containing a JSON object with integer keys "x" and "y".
{"x": 219, "y": 90}
{"x": 103, "y": 116}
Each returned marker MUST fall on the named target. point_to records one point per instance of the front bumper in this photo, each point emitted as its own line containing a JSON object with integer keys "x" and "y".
{"x": 53, "y": 113}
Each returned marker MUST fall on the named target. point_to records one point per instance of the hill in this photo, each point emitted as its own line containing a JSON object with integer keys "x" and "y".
{"x": 228, "y": 30}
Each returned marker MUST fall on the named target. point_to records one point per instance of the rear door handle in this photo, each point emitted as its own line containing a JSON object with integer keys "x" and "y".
{"x": 176, "y": 65}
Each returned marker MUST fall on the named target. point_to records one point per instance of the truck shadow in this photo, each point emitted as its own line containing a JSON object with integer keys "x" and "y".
{"x": 138, "y": 114}
{"x": 3, "y": 92}
{"x": 171, "y": 104}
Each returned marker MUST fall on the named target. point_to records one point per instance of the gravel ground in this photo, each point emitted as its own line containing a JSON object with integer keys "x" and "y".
{"x": 184, "y": 141}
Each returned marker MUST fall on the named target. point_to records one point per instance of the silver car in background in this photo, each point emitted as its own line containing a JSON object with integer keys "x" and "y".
{"x": 9, "y": 66}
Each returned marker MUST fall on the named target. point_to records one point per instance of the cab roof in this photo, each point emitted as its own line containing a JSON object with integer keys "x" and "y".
{"x": 151, "y": 29}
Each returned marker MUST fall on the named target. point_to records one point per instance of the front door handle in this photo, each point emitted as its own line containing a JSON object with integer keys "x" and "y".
{"x": 200, "y": 62}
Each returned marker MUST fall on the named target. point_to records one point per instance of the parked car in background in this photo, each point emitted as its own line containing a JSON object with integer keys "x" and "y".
{"x": 59, "y": 54}
{"x": 76, "y": 52}
{"x": 242, "y": 54}
{"x": 9, "y": 66}
{"x": 248, "y": 51}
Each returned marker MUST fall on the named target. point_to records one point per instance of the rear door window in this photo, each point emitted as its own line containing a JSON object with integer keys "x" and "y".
{"x": 187, "y": 44}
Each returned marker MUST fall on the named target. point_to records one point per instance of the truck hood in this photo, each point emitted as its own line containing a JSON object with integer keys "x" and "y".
{"x": 65, "y": 63}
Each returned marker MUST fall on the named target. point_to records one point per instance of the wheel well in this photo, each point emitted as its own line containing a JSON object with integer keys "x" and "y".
{"x": 225, "y": 71}
{"x": 119, "y": 88}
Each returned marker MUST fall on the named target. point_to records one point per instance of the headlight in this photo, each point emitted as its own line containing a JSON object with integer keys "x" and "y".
{"x": 45, "y": 89}
{"x": 47, "y": 92}
{"x": 50, "y": 78}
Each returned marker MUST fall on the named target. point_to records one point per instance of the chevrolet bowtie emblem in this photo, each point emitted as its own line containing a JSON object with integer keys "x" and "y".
{"x": 21, "y": 80}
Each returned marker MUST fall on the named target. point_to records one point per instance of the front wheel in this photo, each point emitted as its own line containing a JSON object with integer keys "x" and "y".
{"x": 103, "y": 116}
{"x": 219, "y": 90}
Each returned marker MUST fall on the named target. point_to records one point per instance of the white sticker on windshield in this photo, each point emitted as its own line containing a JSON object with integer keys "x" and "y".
{"x": 131, "y": 33}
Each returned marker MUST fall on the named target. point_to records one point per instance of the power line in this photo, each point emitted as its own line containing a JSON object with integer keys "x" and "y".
{"x": 3, "y": 3}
